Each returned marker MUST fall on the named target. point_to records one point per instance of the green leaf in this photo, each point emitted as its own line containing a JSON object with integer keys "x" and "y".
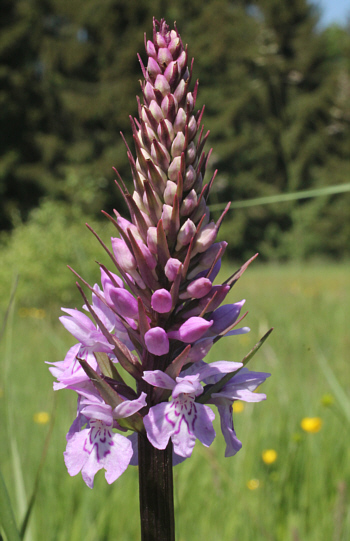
{"x": 7, "y": 519}
{"x": 107, "y": 367}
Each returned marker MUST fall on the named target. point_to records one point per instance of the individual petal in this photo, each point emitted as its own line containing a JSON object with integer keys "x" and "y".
{"x": 158, "y": 379}
{"x": 157, "y": 341}
{"x": 212, "y": 372}
{"x": 129, "y": 407}
{"x": 161, "y": 301}
{"x": 224, "y": 317}
{"x": 158, "y": 427}
{"x": 233, "y": 445}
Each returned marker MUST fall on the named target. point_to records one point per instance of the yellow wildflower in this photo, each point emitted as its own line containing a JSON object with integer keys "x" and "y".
{"x": 269, "y": 456}
{"x": 311, "y": 424}
{"x": 42, "y": 418}
{"x": 253, "y": 484}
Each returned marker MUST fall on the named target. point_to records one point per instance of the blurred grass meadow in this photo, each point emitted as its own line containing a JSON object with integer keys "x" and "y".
{"x": 288, "y": 483}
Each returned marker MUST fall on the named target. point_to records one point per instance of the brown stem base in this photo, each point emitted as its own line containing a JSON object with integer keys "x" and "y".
{"x": 156, "y": 492}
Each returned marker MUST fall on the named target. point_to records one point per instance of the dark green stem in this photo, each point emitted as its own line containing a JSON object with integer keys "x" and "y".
{"x": 156, "y": 492}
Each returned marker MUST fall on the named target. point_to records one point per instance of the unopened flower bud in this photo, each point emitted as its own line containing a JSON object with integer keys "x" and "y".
{"x": 172, "y": 268}
{"x": 152, "y": 240}
{"x": 192, "y": 330}
{"x": 124, "y": 302}
{"x": 174, "y": 169}
{"x": 150, "y": 49}
{"x": 166, "y": 216}
{"x": 169, "y": 192}
{"x": 186, "y": 234}
{"x": 157, "y": 341}
{"x": 190, "y": 177}
{"x": 188, "y": 203}
{"x": 162, "y": 84}
{"x": 164, "y": 56}
{"x": 178, "y": 144}
{"x": 156, "y": 111}
{"x": 161, "y": 301}
{"x": 199, "y": 288}
{"x": 205, "y": 238}
{"x": 180, "y": 120}
{"x": 174, "y": 47}
{"x": 153, "y": 67}
{"x": 190, "y": 153}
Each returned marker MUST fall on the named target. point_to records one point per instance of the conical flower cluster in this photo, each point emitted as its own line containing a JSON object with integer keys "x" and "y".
{"x": 160, "y": 315}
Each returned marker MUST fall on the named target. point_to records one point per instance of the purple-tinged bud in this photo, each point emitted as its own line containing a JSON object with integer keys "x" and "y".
{"x": 178, "y": 144}
{"x": 161, "y": 301}
{"x": 160, "y": 155}
{"x": 192, "y": 330}
{"x": 206, "y": 237}
{"x": 186, "y": 234}
{"x": 157, "y": 341}
{"x": 188, "y": 203}
{"x": 172, "y": 268}
{"x": 169, "y": 192}
{"x": 169, "y": 107}
{"x": 153, "y": 67}
{"x": 156, "y": 111}
{"x": 174, "y": 47}
{"x": 160, "y": 40}
{"x": 164, "y": 56}
{"x": 162, "y": 85}
{"x": 165, "y": 132}
{"x": 180, "y": 120}
{"x": 199, "y": 288}
{"x": 191, "y": 153}
{"x": 149, "y": 92}
{"x": 124, "y": 302}
{"x": 152, "y": 240}
{"x": 180, "y": 91}
{"x": 190, "y": 178}
{"x": 124, "y": 257}
{"x": 182, "y": 60}
{"x": 150, "y": 49}
{"x": 166, "y": 217}
{"x": 174, "y": 169}
{"x": 192, "y": 128}
{"x": 190, "y": 101}
{"x": 172, "y": 73}
{"x": 199, "y": 350}
{"x": 147, "y": 135}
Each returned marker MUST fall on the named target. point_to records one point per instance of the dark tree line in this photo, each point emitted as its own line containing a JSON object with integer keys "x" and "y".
{"x": 277, "y": 95}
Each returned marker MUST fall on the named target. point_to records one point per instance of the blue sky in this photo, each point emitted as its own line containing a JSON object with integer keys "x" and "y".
{"x": 333, "y": 11}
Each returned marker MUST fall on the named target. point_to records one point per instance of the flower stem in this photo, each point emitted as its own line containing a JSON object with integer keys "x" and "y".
{"x": 156, "y": 492}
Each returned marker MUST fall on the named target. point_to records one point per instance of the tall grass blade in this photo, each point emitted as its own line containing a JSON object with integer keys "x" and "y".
{"x": 38, "y": 473}
{"x": 7, "y": 519}
{"x": 337, "y": 389}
